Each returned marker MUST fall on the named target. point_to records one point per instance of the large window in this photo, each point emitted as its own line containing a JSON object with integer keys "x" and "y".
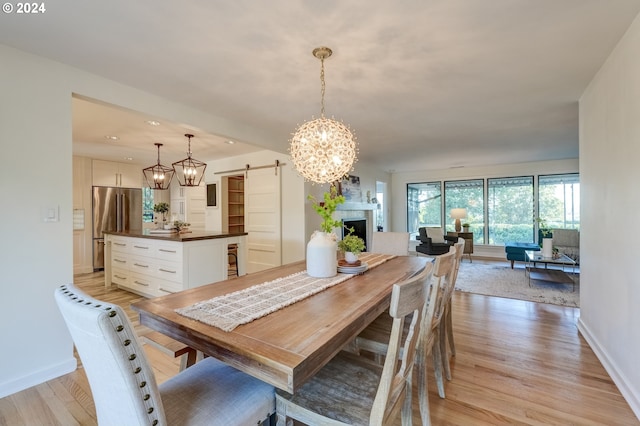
{"x": 499, "y": 209}
{"x": 510, "y": 209}
{"x": 147, "y": 205}
{"x": 424, "y": 205}
{"x": 466, "y": 194}
{"x": 559, "y": 200}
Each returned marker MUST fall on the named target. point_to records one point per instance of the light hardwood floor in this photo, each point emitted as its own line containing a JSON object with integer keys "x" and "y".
{"x": 517, "y": 363}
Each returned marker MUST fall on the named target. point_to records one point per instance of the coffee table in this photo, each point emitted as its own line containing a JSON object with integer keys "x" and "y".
{"x": 550, "y": 275}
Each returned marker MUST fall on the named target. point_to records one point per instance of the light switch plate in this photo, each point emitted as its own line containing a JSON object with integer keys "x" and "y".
{"x": 51, "y": 214}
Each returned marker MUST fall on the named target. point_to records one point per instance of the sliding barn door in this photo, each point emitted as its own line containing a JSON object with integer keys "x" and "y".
{"x": 263, "y": 219}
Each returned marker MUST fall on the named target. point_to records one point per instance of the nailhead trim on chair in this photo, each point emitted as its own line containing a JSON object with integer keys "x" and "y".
{"x": 126, "y": 342}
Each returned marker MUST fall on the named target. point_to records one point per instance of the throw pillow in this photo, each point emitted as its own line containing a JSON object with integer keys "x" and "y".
{"x": 436, "y": 235}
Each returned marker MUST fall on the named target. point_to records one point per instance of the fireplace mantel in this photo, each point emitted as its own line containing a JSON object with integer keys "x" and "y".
{"x": 357, "y": 206}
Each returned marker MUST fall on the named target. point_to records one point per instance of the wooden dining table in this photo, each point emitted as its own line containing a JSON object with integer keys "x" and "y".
{"x": 286, "y": 347}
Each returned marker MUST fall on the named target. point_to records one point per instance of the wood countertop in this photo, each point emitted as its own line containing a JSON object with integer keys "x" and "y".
{"x": 181, "y": 238}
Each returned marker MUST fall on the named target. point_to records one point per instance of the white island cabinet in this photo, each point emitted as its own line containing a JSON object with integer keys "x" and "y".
{"x": 155, "y": 265}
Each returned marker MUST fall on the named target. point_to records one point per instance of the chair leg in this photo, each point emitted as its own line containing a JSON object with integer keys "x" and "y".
{"x": 407, "y": 409}
{"x": 446, "y": 333}
{"x": 436, "y": 353}
{"x": 444, "y": 348}
{"x": 423, "y": 387}
{"x": 449, "y": 328}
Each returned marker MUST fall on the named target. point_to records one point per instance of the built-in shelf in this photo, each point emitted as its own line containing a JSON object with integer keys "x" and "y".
{"x": 235, "y": 196}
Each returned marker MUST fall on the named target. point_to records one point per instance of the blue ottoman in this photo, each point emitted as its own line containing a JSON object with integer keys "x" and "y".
{"x": 515, "y": 251}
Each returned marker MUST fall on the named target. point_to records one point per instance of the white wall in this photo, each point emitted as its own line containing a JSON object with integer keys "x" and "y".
{"x": 36, "y": 257}
{"x": 400, "y": 181}
{"x": 292, "y": 198}
{"x": 609, "y": 176}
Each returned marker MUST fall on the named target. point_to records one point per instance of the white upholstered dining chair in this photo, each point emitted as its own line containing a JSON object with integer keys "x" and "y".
{"x": 396, "y": 243}
{"x": 123, "y": 384}
{"x": 354, "y": 390}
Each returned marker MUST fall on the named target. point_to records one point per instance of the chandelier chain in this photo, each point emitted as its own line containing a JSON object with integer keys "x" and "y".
{"x": 322, "y": 87}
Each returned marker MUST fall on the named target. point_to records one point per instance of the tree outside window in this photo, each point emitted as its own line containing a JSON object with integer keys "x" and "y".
{"x": 559, "y": 200}
{"x": 510, "y": 209}
{"x": 424, "y": 205}
{"x": 467, "y": 194}
{"x": 147, "y": 205}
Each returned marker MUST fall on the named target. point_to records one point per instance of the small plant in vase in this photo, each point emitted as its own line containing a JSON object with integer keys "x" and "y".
{"x": 547, "y": 241}
{"x": 181, "y": 226}
{"x": 163, "y": 209}
{"x": 352, "y": 246}
{"x": 322, "y": 248}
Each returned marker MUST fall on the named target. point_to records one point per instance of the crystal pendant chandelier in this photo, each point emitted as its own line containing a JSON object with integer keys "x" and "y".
{"x": 323, "y": 150}
{"x": 158, "y": 176}
{"x": 189, "y": 171}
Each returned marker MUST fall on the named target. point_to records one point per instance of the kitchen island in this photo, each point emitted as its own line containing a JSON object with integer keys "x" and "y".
{"x": 154, "y": 264}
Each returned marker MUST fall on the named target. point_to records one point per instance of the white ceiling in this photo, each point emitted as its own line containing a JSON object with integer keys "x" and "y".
{"x": 424, "y": 83}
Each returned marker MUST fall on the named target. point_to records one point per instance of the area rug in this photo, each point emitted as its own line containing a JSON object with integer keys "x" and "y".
{"x": 502, "y": 281}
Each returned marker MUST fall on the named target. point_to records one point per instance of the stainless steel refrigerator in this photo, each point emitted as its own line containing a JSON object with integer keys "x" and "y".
{"x": 114, "y": 209}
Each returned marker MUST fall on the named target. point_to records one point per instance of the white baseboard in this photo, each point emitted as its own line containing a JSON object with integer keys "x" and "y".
{"x": 632, "y": 398}
{"x": 41, "y": 376}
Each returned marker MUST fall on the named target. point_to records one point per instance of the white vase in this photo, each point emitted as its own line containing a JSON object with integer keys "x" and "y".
{"x": 547, "y": 247}
{"x": 350, "y": 257}
{"x": 322, "y": 261}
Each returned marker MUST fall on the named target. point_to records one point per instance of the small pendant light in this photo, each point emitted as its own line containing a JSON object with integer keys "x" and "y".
{"x": 189, "y": 171}
{"x": 158, "y": 176}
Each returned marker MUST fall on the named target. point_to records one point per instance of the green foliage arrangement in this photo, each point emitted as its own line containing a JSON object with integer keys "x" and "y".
{"x": 351, "y": 243}
{"x": 180, "y": 225}
{"x": 325, "y": 209}
{"x": 542, "y": 226}
{"x": 161, "y": 207}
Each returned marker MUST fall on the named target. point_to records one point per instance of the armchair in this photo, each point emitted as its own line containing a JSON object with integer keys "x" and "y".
{"x": 433, "y": 242}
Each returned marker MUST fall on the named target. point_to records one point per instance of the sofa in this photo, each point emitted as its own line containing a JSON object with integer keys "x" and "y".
{"x": 515, "y": 251}
{"x": 567, "y": 241}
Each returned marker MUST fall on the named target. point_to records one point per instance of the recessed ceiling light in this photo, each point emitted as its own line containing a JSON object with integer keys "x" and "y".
{"x": 111, "y": 138}
{"x": 153, "y": 123}
{"x": 128, "y": 158}
{"x": 230, "y": 142}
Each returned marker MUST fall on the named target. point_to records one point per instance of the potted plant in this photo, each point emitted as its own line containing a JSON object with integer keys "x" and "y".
{"x": 162, "y": 208}
{"x": 547, "y": 241}
{"x": 321, "y": 250}
{"x": 352, "y": 246}
{"x": 465, "y": 227}
{"x": 180, "y": 225}
{"x": 544, "y": 229}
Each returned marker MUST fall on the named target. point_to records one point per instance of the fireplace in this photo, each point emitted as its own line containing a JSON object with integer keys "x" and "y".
{"x": 359, "y": 226}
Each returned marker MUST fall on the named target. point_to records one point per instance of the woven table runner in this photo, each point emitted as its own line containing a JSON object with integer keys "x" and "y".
{"x": 240, "y": 307}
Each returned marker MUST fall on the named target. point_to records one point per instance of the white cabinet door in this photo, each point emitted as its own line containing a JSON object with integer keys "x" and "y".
{"x": 189, "y": 204}
{"x": 105, "y": 173}
{"x": 196, "y": 206}
{"x": 130, "y": 175}
{"x": 111, "y": 173}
